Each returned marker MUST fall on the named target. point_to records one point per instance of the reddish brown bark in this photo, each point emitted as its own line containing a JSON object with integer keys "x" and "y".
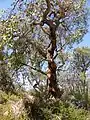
{"x": 51, "y": 76}
{"x": 51, "y": 73}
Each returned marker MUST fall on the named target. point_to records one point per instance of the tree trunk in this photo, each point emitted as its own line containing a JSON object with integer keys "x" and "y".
{"x": 51, "y": 73}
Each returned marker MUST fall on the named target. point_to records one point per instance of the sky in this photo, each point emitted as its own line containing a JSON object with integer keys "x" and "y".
{"x": 5, "y": 4}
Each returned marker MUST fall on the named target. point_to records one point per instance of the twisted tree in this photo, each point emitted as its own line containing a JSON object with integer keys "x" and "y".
{"x": 39, "y": 35}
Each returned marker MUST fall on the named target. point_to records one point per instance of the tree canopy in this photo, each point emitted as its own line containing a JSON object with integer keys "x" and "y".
{"x": 36, "y": 36}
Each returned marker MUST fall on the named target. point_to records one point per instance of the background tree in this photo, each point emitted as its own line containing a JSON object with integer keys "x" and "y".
{"x": 81, "y": 65}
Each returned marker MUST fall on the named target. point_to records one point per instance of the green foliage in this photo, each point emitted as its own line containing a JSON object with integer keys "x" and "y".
{"x": 61, "y": 111}
{"x": 6, "y": 101}
{"x": 82, "y": 58}
{"x": 43, "y": 109}
{"x": 81, "y": 63}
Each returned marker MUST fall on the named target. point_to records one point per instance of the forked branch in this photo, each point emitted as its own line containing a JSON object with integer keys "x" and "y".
{"x": 47, "y": 10}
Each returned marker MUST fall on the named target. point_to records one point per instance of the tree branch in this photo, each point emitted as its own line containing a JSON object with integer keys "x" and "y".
{"x": 38, "y": 70}
{"x": 47, "y": 10}
{"x": 44, "y": 31}
{"x": 13, "y": 8}
{"x": 39, "y": 49}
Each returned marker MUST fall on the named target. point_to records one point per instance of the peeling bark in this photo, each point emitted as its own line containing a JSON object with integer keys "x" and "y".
{"x": 51, "y": 73}
{"x": 51, "y": 76}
